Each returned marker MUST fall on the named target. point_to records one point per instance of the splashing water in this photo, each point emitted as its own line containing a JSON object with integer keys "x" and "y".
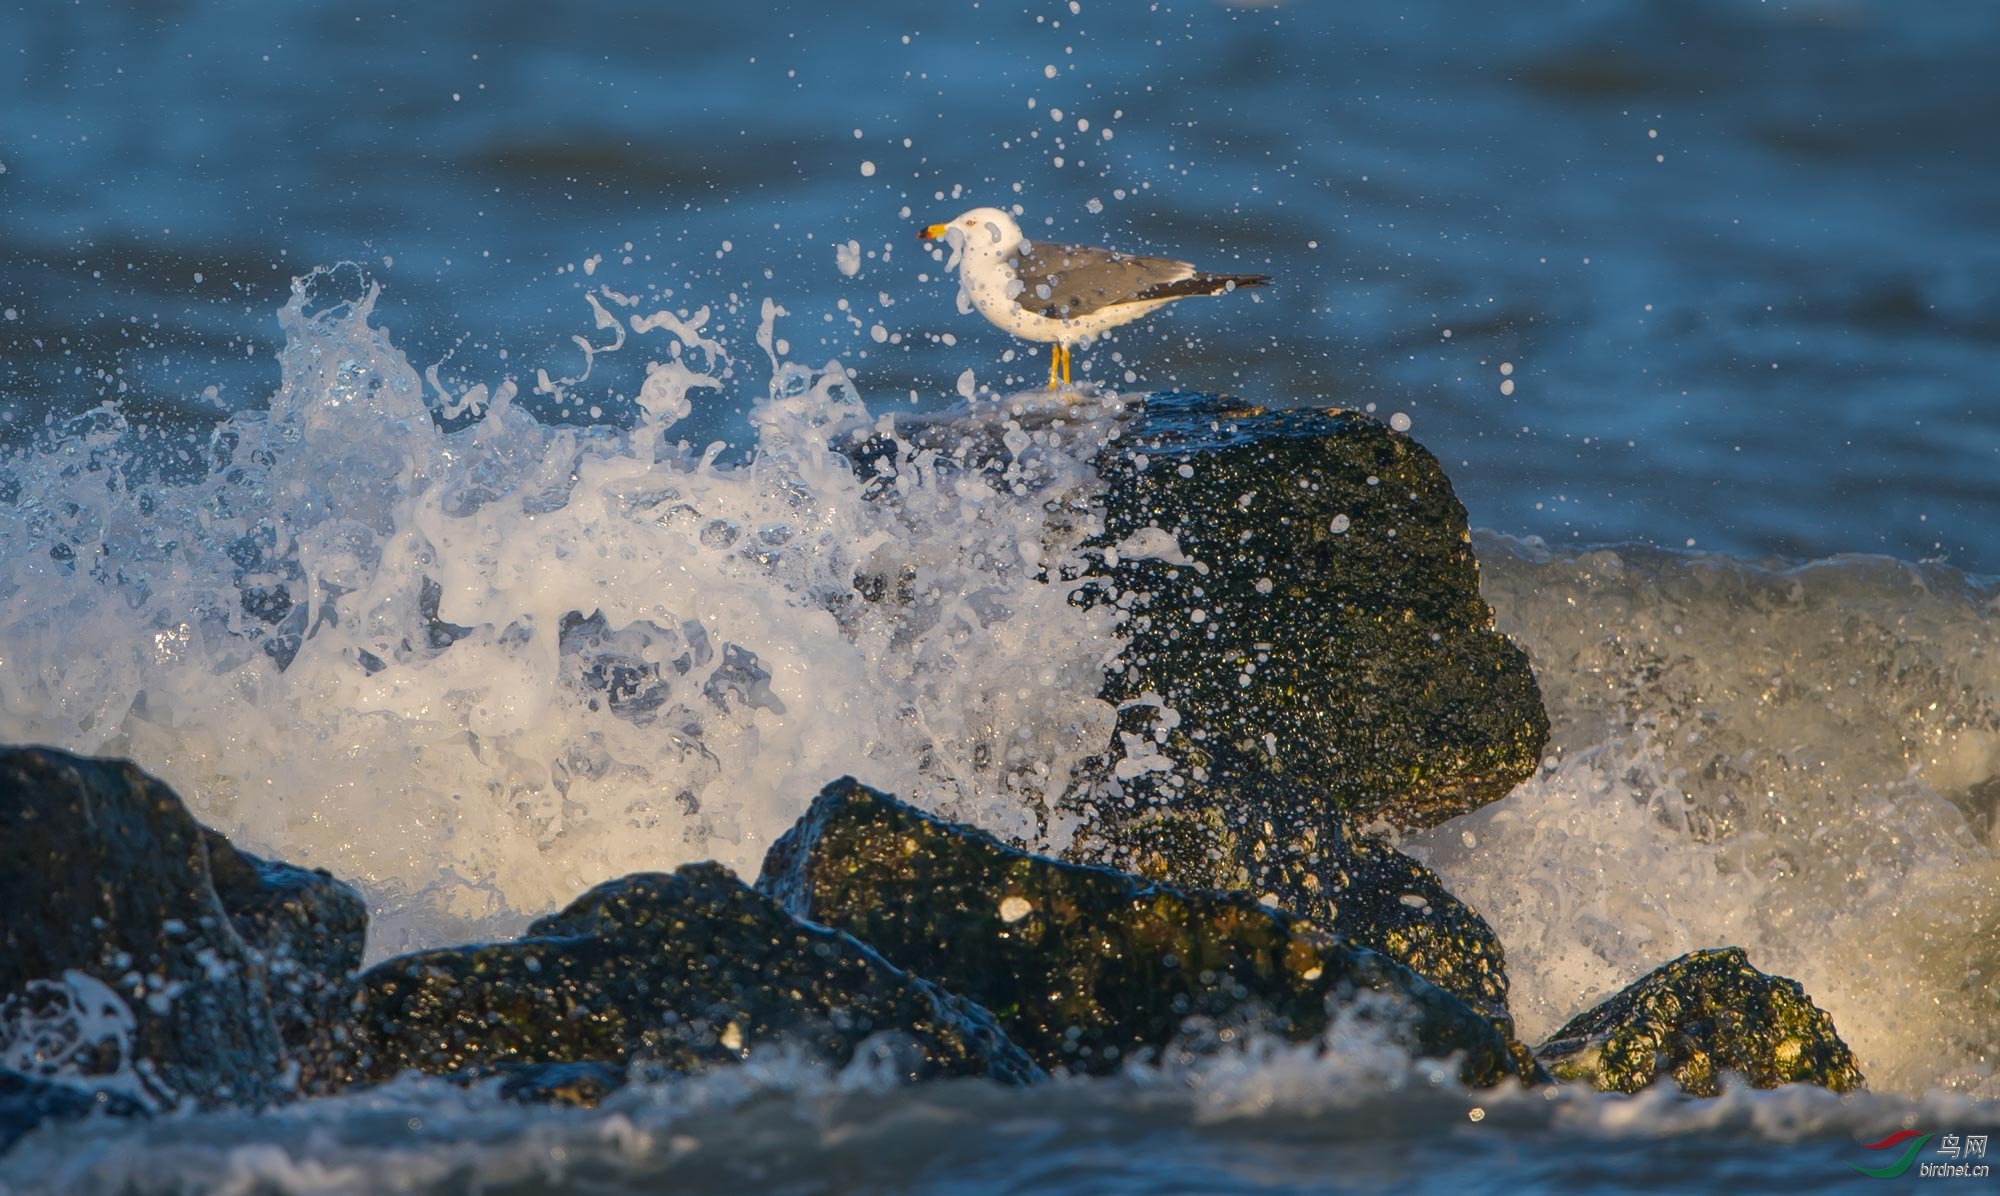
{"x": 1798, "y": 761}
{"x": 77, "y": 1024}
{"x": 477, "y": 671}
{"x": 477, "y": 662}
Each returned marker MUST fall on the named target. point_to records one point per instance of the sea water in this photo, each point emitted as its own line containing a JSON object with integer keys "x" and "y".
{"x": 1719, "y": 271}
{"x": 475, "y": 663}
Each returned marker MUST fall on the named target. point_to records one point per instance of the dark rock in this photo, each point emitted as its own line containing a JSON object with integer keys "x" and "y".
{"x": 105, "y": 887}
{"x": 1693, "y": 1019}
{"x": 1084, "y": 966}
{"x": 307, "y": 928}
{"x": 28, "y": 1101}
{"x": 1383, "y": 899}
{"x": 682, "y": 972}
{"x": 1284, "y": 682}
{"x": 1308, "y": 653}
{"x": 1222, "y": 838}
{"x": 1300, "y": 594}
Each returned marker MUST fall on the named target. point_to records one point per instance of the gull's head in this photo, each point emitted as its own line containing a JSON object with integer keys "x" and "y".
{"x": 982, "y": 232}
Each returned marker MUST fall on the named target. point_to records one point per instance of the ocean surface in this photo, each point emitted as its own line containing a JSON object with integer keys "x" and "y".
{"x": 316, "y": 322}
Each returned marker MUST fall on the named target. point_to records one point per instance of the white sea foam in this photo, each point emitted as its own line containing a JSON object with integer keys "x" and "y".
{"x": 1796, "y": 760}
{"x": 76, "y": 1024}
{"x": 479, "y": 671}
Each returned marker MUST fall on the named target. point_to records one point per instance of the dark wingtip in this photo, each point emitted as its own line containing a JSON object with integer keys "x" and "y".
{"x": 1203, "y": 284}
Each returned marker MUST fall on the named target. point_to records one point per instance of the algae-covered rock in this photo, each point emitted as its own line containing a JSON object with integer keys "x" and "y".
{"x": 1307, "y": 653}
{"x": 1383, "y": 899}
{"x": 1221, "y": 833}
{"x": 1693, "y": 1019}
{"x": 114, "y": 947}
{"x": 307, "y": 928}
{"x": 28, "y": 1101}
{"x": 1299, "y": 590}
{"x": 1082, "y": 965}
{"x": 683, "y": 972}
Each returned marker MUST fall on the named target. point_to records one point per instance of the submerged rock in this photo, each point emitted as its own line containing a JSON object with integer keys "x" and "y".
{"x": 579, "y": 1085}
{"x": 1084, "y": 966}
{"x": 307, "y": 928}
{"x": 681, "y": 972}
{"x": 116, "y": 955}
{"x": 1693, "y": 1019}
{"x": 28, "y": 1101}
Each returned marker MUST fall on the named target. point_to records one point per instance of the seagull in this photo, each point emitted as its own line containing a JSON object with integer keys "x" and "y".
{"x": 1064, "y": 293}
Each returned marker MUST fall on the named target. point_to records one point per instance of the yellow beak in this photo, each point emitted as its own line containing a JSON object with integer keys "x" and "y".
{"x": 931, "y": 232}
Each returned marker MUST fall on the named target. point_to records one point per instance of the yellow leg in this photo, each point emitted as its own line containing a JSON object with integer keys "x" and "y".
{"x": 1065, "y": 350}
{"x": 1055, "y": 360}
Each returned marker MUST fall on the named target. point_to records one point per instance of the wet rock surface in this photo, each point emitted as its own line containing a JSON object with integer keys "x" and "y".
{"x": 682, "y": 972}
{"x": 307, "y": 928}
{"x": 1226, "y": 832}
{"x": 1299, "y": 592}
{"x": 1308, "y": 655}
{"x": 1085, "y": 967}
{"x": 1695, "y": 1018}
{"x": 1385, "y": 900}
{"x": 115, "y": 951}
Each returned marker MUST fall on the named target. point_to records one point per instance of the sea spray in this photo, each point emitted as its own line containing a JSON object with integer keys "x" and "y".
{"x": 1795, "y": 760}
{"x": 479, "y": 670}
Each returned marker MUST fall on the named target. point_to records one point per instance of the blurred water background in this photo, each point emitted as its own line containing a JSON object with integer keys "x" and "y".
{"x": 1738, "y": 260}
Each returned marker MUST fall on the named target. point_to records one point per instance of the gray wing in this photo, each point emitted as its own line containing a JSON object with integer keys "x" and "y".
{"x": 1066, "y": 281}
{"x": 1061, "y": 281}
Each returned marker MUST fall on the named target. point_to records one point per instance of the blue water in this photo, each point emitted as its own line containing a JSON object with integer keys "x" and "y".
{"x": 1713, "y": 276}
{"x": 1742, "y": 257}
